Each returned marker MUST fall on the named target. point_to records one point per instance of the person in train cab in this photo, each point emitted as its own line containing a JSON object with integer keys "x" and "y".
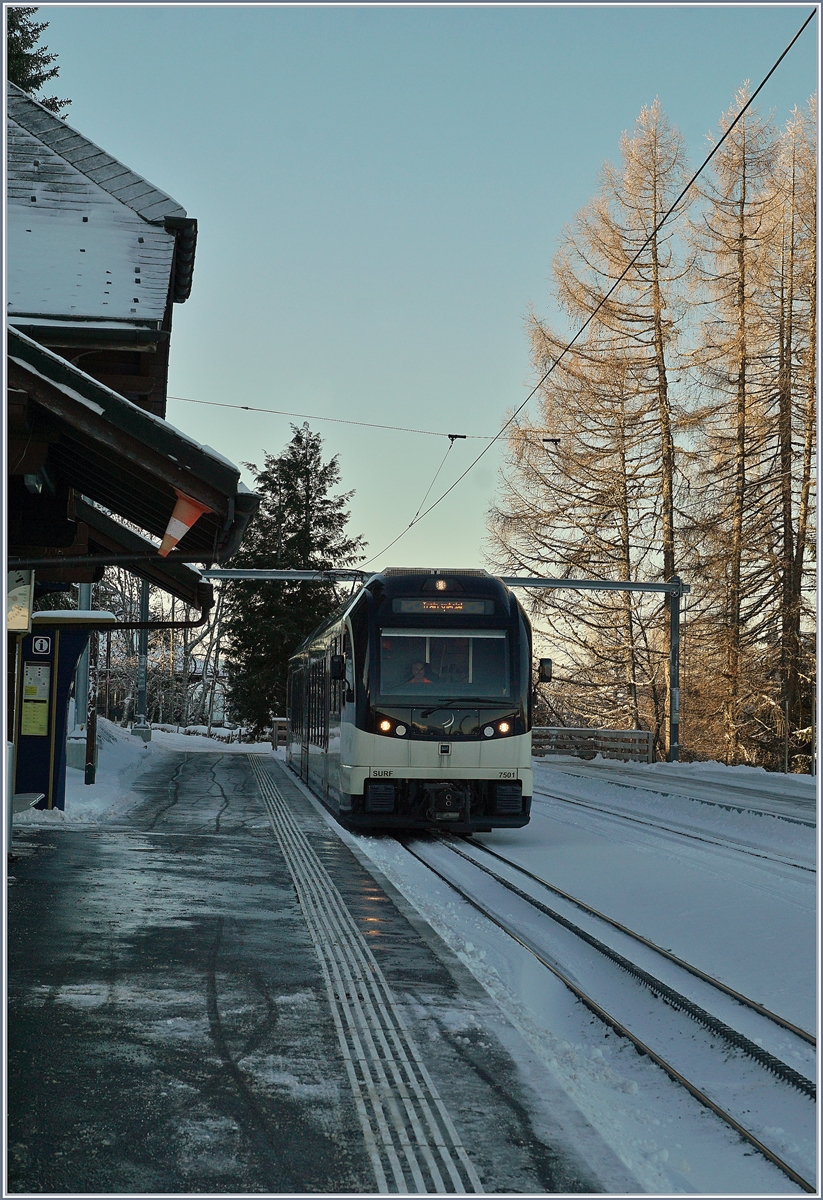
{"x": 419, "y": 673}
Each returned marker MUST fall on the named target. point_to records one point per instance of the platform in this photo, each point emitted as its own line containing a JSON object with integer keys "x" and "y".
{"x": 180, "y": 1018}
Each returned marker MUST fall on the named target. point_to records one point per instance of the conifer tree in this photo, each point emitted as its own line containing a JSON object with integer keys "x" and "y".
{"x": 789, "y": 302}
{"x": 28, "y": 64}
{"x": 605, "y": 505}
{"x": 300, "y": 525}
{"x": 740, "y": 220}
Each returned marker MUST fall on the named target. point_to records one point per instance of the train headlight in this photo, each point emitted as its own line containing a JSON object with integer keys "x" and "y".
{"x": 488, "y": 731}
{"x": 441, "y": 585}
{"x": 385, "y": 726}
{"x": 400, "y": 731}
{"x": 504, "y": 727}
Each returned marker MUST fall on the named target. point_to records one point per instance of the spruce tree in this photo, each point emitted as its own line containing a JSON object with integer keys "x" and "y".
{"x": 29, "y": 65}
{"x": 300, "y": 525}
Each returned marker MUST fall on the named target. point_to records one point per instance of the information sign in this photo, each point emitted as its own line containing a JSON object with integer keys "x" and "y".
{"x": 472, "y": 607}
{"x": 34, "y": 718}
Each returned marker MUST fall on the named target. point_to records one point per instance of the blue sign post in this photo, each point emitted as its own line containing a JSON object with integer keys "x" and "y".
{"x": 48, "y": 659}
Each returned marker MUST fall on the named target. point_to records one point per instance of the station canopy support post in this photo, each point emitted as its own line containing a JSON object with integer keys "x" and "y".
{"x": 141, "y": 727}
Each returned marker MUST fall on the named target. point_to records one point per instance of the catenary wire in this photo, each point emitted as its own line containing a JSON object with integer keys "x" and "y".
{"x": 608, "y": 294}
{"x": 420, "y": 505}
{"x": 278, "y": 412}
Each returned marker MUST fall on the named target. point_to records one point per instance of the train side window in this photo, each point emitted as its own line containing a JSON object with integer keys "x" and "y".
{"x": 336, "y": 685}
{"x": 318, "y": 702}
{"x": 296, "y": 711}
{"x": 359, "y": 618}
{"x": 348, "y": 684}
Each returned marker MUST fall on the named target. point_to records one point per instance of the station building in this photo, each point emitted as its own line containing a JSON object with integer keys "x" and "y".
{"x": 97, "y": 258}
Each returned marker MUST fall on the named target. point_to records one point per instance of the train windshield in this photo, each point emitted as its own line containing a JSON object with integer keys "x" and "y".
{"x": 439, "y": 664}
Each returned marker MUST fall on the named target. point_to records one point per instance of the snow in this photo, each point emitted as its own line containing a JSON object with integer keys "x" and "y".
{"x": 69, "y": 616}
{"x": 784, "y": 795}
{"x": 671, "y": 888}
{"x": 64, "y": 388}
{"x": 216, "y": 454}
{"x": 732, "y": 892}
{"x": 56, "y": 323}
{"x": 61, "y": 265}
{"x": 122, "y": 759}
{"x": 742, "y": 918}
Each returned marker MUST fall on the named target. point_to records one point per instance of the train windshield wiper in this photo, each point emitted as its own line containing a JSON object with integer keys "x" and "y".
{"x": 426, "y": 712}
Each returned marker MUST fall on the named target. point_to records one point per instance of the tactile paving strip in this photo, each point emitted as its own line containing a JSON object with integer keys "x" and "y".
{"x": 410, "y": 1138}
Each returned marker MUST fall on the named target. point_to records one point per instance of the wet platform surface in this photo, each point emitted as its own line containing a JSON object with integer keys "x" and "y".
{"x": 170, "y": 1026}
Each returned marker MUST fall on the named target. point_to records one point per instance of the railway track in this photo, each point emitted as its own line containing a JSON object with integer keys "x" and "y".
{"x": 724, "y": 843}
{"x": 667, "y": 954}
{"x": 736, "y": 797}
{"x": 736, "y": 1044}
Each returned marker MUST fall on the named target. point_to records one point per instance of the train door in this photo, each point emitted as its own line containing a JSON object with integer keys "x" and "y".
{"x": 304, "y": 725}
{"x": 326, "y": 697}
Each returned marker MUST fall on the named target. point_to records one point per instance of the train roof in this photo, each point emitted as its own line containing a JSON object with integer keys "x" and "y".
{"x": 435, "y": 571}
{"x": 399, "y": 581}
{"x": 436, "y": 580}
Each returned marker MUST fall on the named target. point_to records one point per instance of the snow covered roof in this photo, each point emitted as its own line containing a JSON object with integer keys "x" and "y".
{"x": 101, "y": 168}
{"x": 88, "y": 239}
{"x": 127, "y": 459}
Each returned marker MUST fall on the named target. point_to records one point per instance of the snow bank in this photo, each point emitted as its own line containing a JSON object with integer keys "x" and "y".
{"x": 195, "y": 739}
{"x": 122, "y": 759}
{"x": 715, "y": 773}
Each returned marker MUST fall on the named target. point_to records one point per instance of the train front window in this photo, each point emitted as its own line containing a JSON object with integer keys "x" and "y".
{"x": 436, "y": 664}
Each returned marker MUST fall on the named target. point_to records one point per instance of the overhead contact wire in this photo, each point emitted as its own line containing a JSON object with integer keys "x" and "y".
{"x": 612, "y": 289}
{"x": 280, "y": 412}
{"x": 420, "y": 505}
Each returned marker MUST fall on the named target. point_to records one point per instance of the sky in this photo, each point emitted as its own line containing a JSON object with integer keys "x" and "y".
{"x": 380, "y": 191}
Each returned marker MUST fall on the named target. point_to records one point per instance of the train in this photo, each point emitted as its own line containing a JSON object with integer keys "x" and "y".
{"x": 410, "y": 707}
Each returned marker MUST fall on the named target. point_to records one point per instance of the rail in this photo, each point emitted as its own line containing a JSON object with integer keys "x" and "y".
{"x": 626, "y": 745}
{"x": 619, "y": 1028}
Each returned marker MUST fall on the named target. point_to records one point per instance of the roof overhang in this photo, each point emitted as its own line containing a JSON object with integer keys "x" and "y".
{"x": 72, "y": 332}
{"x": 124, "y": 458}
{"x": 107, "y": 536}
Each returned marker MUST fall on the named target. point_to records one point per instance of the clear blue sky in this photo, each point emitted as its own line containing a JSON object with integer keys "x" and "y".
{"x": 379, "y": 193}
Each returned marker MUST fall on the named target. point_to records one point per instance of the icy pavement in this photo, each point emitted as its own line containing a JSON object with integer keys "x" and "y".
{"x": 728, "y": 891}
{"x": 169, "y": 1023}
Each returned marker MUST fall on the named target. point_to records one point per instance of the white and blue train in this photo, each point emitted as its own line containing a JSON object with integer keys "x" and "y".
{"x": 411, "y": 706}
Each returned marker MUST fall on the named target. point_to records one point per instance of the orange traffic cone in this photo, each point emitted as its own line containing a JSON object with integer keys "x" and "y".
{"x": 186, "y": 512}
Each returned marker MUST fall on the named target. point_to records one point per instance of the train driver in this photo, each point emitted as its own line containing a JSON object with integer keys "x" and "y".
{"x": 419, "y": 673}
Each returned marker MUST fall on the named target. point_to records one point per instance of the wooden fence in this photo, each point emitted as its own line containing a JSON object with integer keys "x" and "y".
{"x": 627, "y": 745}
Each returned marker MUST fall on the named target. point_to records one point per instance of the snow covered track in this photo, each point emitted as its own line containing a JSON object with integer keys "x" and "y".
{"x": 796, "y": 804}
{"x": 676, "y": 999}
{"x": 679, "y": 830}
{"x": 411, "y": 1140}
{"x": 664, "y": 1030}
{"x": 715, "y": 983}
